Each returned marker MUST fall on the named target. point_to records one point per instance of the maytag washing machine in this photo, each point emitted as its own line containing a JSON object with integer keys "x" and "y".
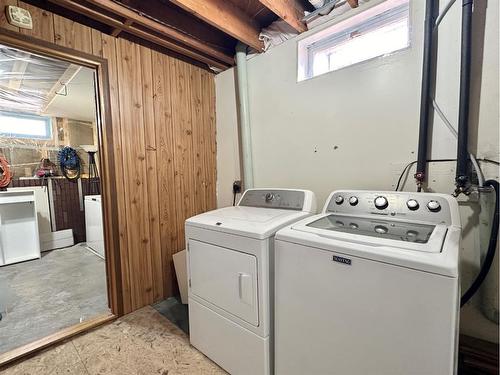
{"x": 230, "y": 270}
{"x": 370, "y": 286}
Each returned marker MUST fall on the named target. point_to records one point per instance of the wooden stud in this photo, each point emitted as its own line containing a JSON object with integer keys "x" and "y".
{"x": 227, "y": 17}
{"x": 290, "y": 11}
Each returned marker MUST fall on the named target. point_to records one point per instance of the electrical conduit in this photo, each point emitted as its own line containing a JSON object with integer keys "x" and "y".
{"x": 245, "y": 131}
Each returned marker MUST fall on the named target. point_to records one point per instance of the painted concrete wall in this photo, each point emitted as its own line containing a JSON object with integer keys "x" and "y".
{"x": 357, "y": 127}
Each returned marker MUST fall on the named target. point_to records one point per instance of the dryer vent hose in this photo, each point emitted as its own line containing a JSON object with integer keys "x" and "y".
{"x": 490, "y": 254}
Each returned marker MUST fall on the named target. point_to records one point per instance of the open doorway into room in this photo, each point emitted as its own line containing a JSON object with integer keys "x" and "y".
{"x": 52, "y": 256}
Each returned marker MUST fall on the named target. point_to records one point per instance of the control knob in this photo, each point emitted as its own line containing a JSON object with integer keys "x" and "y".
{"x": 434, "y": 206}
{"x": 353, "y": 201}
{"x": 412, "y": 204}
{"x": 339, "y": 199}
{"x": 269, "y": 197}
{"x": 381, "y": 202}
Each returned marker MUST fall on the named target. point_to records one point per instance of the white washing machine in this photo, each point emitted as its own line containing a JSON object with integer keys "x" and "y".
{"x": 230, "y": 264}
{"x": 370, "y": 286}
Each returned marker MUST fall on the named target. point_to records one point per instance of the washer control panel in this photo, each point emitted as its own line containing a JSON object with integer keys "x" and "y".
{"x": 429, "y": 207}
{"x": 269, "y": 198}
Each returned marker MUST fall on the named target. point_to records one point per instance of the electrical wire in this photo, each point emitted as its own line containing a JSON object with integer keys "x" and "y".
{"x": 6, "y": 174}
{"x": 490, "y": 254}
{"x": 443, "y": 13}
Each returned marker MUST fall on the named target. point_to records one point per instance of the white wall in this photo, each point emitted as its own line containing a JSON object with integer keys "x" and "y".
{"x": 357, "y": 127}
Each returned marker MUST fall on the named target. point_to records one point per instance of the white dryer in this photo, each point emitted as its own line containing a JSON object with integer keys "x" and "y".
{"x": 230, "y": 269}
{"x": 370, "y": 286}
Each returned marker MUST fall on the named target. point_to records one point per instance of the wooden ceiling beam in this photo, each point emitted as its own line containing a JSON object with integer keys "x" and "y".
{"x": 225, "y": 16}
{"x": 128, "y": 27}
{"x": 353, "y": 3}
{"x": 290, "y": 11}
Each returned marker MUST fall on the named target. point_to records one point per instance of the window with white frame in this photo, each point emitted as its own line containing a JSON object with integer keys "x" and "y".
{"x": 377, "y": 31}
{"x": 17, "y": 125}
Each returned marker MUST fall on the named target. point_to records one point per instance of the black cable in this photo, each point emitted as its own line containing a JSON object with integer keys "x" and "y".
{"x": 234, "y": 198}
{"x": 490, "y": 254}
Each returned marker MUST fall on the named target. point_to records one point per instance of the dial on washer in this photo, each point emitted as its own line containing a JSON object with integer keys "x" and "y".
{"x": 381, "y": 202}
{"x": 412, "y": 204}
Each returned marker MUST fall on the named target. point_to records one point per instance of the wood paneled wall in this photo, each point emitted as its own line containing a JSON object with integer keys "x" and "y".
{"x": 163, "y": 122}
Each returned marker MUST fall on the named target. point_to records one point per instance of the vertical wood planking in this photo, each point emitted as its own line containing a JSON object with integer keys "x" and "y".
{"x": 183, "y": 145}
{"x": 134, "y": 172}
{"x": 210, "y": 145}
{"x": 43, "y": 25}
{"x": 151, "y": 172}
{"x": 199, "y": 158}
{"x": 165, "y": 162}
{"x": 72, "y": 35}
{"x": 163, "y": 128}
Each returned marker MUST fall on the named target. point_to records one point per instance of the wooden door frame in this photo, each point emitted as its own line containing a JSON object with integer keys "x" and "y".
{"x": 108, "y": 185}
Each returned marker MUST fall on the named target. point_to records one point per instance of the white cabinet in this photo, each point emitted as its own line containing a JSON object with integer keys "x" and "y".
{"x": 93, "y": 224}
{"x": 19, "y": 238}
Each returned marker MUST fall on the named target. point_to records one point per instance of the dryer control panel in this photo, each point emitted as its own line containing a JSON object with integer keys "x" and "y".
{"x": 428, "y": 207}
{"x": 299, "y": 200}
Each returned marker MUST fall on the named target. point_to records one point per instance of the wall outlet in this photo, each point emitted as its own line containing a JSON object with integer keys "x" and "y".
{"x": 19, "y": 17}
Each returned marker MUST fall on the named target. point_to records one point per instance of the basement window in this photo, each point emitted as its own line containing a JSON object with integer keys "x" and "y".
{"x": 377, "y": 31}
{"x": 16, "y": 125}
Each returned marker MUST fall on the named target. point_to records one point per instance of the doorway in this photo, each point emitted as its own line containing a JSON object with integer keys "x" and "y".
{"x": 57, "y": 244}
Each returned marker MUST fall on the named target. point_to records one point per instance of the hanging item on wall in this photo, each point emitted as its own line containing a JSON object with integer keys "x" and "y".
{"x": 46, "y": 168}
{"x": 5, "y": 173}
{"x": 70, "y": 164}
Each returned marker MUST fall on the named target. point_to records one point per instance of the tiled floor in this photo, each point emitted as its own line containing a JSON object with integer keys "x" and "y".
{"x": 142, "y": 343}
{"x": 42, "y": 296}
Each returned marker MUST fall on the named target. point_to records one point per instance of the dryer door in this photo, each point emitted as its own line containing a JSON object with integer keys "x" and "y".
{"x": 226, "y": 278}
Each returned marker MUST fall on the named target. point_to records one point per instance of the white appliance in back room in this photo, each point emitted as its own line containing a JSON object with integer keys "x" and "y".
{"x": 378, "y": 291}
{"x": 93, "y": 224}
{"x": 230, "y": 268}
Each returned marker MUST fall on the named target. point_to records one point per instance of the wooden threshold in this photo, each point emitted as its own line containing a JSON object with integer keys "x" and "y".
{"x": 54, "y": 338}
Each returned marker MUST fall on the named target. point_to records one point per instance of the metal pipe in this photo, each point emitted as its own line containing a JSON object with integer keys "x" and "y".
{"x": 443, "y": 13}
{"x": 243, "y": 102}
{"x": 425, "y": 96}
{"x": 462, "y": 179}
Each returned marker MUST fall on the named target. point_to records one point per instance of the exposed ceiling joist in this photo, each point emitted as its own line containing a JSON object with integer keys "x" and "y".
{"x": 225, "y": 16}
{"x": 63, "y": 81}
{"x": 132, "y": 17}
{"x": 353, "y": 3}
{"x": 290, "y": 11}
{"x": 118, "y": 30}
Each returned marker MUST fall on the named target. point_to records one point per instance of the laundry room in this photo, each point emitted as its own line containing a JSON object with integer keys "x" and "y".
{"x": 249, "y": 187}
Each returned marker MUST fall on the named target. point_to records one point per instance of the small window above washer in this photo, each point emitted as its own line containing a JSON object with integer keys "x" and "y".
{"x": 380, "y": 30}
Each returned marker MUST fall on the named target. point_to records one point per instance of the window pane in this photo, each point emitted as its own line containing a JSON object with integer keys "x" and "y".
{"x": 24, "y": 126}
{"x": 377, "y": 31}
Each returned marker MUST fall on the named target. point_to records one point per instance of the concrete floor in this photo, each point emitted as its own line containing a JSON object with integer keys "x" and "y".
{"x": 40, "y": 297}
{"x": 143, "y": 342}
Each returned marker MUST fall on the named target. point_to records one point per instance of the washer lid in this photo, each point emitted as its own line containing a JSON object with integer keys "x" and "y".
{"x": 435, "y": 252}
{"x": 252, "y": 222}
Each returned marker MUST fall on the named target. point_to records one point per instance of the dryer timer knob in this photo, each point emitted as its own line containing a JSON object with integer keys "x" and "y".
{"x": 339, "y": 199}
{"x": 434, "y": 206}
{"x": 353, "y": 201}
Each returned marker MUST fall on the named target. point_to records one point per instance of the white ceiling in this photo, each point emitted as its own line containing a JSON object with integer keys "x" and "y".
{"x": 79, "y": 103}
